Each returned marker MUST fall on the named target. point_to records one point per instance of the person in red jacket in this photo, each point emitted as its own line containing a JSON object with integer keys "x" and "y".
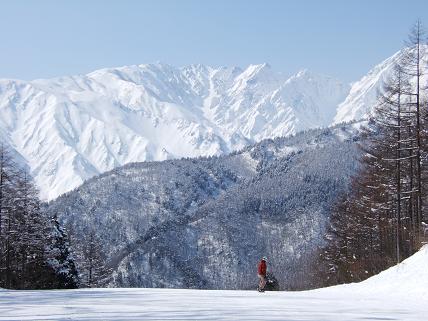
{"x": 261, "y": 271}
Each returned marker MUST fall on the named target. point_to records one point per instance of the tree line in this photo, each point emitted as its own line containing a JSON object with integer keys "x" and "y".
{"x": 34, "y": 249}
{"x": 379, "y": 221}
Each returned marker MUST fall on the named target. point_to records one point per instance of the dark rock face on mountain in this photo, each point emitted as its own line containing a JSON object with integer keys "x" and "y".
{"x": 205, "y": 223}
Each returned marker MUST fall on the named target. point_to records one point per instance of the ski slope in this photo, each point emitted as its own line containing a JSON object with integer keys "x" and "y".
{"x": 400, "y": 293}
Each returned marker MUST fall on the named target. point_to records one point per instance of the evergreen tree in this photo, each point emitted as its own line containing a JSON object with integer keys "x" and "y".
{"x": 59, "y": 257}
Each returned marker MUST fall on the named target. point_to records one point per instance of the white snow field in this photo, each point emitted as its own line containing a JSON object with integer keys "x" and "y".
{"x": 399, "y": 293}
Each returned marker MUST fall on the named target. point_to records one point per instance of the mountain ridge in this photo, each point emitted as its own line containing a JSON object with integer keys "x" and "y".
{"x": 68, "y": 129}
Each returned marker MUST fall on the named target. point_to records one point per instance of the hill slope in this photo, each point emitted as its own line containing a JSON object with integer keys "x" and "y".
{"x": 204, "y": 223}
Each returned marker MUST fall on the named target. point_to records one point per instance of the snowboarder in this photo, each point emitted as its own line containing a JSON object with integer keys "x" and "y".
{"x": 261, "y": 271}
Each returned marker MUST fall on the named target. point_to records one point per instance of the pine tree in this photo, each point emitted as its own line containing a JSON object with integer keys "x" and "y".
{"x": 59, "y": 257}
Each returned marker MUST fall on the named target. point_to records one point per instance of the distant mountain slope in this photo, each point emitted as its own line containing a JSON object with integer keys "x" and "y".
{"x": 71, "y": 128}
{"x": 363, "y": 95}
{"x": 204, "y": 223}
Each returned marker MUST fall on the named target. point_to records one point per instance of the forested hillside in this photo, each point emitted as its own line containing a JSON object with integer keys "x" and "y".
{"x": 204, "y": 223}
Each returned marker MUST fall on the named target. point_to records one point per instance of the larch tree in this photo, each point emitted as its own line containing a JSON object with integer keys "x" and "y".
{"x": 27, "y": 253}
{"x": 413, "y": 61}
{"x": 378, "y": 222}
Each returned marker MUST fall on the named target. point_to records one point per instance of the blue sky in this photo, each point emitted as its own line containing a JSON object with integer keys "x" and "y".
{"x": 40, "y": 39}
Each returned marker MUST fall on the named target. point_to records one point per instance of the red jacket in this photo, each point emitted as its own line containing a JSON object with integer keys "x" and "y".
{"x": 262, "y": 268}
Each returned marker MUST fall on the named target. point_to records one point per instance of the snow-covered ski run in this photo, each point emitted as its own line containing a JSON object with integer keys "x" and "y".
{"x": 399, "y": 293}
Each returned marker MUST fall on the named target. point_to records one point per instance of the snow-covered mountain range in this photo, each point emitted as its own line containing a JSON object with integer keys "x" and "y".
{"x": 69, "y": 129}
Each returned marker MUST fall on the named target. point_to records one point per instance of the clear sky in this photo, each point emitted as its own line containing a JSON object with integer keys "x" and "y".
{"x": 40, "y": 39}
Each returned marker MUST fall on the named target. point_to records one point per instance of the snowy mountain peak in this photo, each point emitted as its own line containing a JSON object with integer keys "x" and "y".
{"x": 363, "y": 94}
{"x": 262, "y": 73}
{"x": 302, "y": 73}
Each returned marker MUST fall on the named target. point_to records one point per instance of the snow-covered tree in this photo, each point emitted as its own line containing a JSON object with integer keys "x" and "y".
{"x": 59, "y": 257}
{"x": 32, "y": 253}
{"x": 92, "y": 262}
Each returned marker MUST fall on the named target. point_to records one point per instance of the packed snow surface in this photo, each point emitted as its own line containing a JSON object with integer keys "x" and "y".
{"x": 397, "y": 294}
